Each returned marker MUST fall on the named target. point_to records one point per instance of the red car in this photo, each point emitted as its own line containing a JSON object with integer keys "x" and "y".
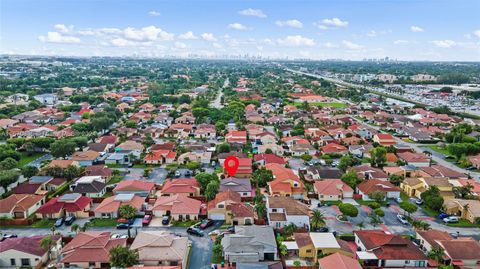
{"x": 206, "y": 223}
{"x": 146, "y": 220}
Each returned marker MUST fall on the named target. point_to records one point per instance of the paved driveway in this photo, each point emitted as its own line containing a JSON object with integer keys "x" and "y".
{"x": 38, "y": 162}
{"x": 158, "y": 175}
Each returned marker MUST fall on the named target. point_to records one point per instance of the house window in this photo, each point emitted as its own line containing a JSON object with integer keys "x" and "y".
{"x": 91, "y": 264}
{"x": 407, "y": 262}
{"x": 308, "y": 251}
{"x": 174, "y": 263}
{"x": 245, "y": 193}
{"x": 25, "y": 262}
{"x": 274, "y": 210}
{"x": 12, "y": 262}
{"x": 321, "y": 196}
{"x": 220, "y": 205}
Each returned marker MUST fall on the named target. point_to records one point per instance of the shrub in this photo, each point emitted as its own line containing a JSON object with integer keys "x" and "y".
{"x": 379, "y": 212}
{"x": 374, "y": 205}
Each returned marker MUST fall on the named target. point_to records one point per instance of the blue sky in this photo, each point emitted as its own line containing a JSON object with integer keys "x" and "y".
{"x": 314, "y": 29}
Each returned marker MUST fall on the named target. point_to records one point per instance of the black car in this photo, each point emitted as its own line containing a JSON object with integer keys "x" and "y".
{"x": 59, "y": 222}
{"x": 70, "y": 220}
{"x": 123, "y": 226}
{"x": 165, "y": 220}
{"x": 206, "y": 223}
{"x": 195, "y": 231}
{"x": 321, "y": 230}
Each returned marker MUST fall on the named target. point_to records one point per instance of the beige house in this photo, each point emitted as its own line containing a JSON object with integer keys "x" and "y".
{"x": 27, "y": 252}
{"x": 20, "y": 206}
{"x": 228, "y": 206}
{"x": 466, "y": 209}
{"x": 161, "y": 248}
{"x": 177, "y": 206}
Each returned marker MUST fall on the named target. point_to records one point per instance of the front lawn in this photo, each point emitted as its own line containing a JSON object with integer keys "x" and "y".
{"x": 114, "y": 179}
{"x": 103, "y": 222}
{"x": 429, "y": 212}
{"x": 463, "y": 223}
{"x": 185, "y": 224}
{"x": 43, "y": 223}
{"x": 26, "y": 158}
{"x": 368, "y": 203}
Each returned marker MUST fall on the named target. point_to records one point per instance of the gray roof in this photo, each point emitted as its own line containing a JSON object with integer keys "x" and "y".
{"x": 252, "y": 238}
{"x": 236, "y": 184}
{"x": 93, "y": 187}
{"x": 40, "y": 179}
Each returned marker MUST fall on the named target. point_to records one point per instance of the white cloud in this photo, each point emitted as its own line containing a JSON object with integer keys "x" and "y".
{"x": 187, "y": 35}
{"x": 252, "y": 12}
{"x": 290, "y": 23}
{"x": 331, "y": 23}
{"x": 351, "y": 46}
{"x": 56, "y": 37}
{"x": 237, "y": 26}
{"x": 329, "y": 45}
{"x": 296, "y": 41}
{"x": 154, "y": 13}
{"x": 416, "y": 29}
{"x": 217, "y": 46}
{"x": 400, "y": 41}
{"x": 180, "y": 45}
{"x": 108, "y": 31}
{"x": 372, "y": 33}
{"x": 209, "y": 37}
{"x": 121, "y": 42}
{"x": 87, "y": 32}
{"x": 444, "y": 43}
{"x": 477, "y": 33}
{"x": 62, "y": 28}
{"x": 149, "y": 33}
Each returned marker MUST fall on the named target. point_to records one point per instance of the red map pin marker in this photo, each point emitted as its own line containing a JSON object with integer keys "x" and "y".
{"x": 231, "y": 165}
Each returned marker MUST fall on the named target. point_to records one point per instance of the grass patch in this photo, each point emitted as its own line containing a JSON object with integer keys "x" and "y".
{"x": 185, "y": 224}
{"x": 43, "y": 223}
{"x": 114, "y": 165}
{"x": 404, "y": 196}
{"x": 28, "y": 158}
{"x": 114, "y": 179}
{"x": 438, "y": 149}
{"x": 368, "y": 203}
{"x": 429, "y": 212}
{"x": 463, "y": 223}
{"x": 217, "y": 257}
{"x": 103, "y": 222}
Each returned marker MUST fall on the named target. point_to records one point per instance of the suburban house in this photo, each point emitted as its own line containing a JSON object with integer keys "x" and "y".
{"x": 461, "y": 252}
{"x": 26, "y": 252}
{"x": 181, "y": 186}
{"x": 20, "y": 206}
{"x": 70, "y": 204}
{"x": 332, "y": 190}
{"x": 161, "y": 156}
{"x": 90, "y": 249}
{"x": 85, "y": 158}
{"x": 366, "y": 171}
{"x": 285, "y": 182}
{"x": 384, "y": 139}
{"x": 466, "y": 209}
{"x": 228, "y": 206}
{"x": 242, "y": 186}
{"x": 108, "y": 208}
{"x": 429, "y": 239}
{"x": 250, "y": 244}
{"x": 236, "y": 137}
{"x": 90, "y": 186}
{"x": 338, "y": 261}
{"x": 263, "y": 159}
{"x": 375, "y": 185}
{"x": 416, "y": 159}
{"x": 159, "y": 248}
{"x": 378, "y": 249}
{"x": 244, "y": 168}
{"x": 130, "y": 145}
{"x": 414, "y": 187}
{"x": 321, "y": 172}
{"x": 138, "y": 187}
{"x": 334, "y": 148}
{"x": 179, "y": 207}
{"x": 99, "y": 170}
{"x": 282, "y": 211}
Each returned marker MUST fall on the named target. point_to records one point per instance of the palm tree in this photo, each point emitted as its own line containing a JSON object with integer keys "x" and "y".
{"x": 437, "y": 254}
{"x": 53, "y": 230}
{"x": 260, "y": 209}
{"x": 318, "y": 219}
{"x": 289, "y": 229}
{"x": 75, "y": 227}
{"x": 46, "y": 244}
{"x": 85, "y": 226}
{"x": 361, "y": 225}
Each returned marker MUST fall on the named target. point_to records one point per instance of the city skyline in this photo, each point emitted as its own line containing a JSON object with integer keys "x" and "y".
{"x": 349, "y": 30}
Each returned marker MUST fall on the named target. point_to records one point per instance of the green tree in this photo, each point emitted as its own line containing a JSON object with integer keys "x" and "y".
{"x": 306, "y": 157}
{"x": 317, "y": 220}
{"x": 377, "y": 196}
{"x": 130, "y": 124}
{"x": 212, "y": 190}
{"x": 432, "y": 198}
{"x": 297, "y": 263}
{"x": 193, "y": 165}
{"x": 261, "y": 210}
{"x": 348, "y": 210}
{"x": 223, "y": 148}
{"x": 395, "y": 179}
{"x": 463, "y": 192}
{"x": 289, "y": 229}
{"x": 347, "y": 161}
{"x": 375, "y": 219}
{"x": 8, "y": 177}
{"x": 378, "y": 156}
{"x": 437, "y": 253}
{"x": 261, "y": 177}
{"x": 29, "y": 171}
{"x": 204, "y": 178}
{"x": 8, "y": 163}
{"x": 217, "y": 250}
{"x": 127, "y": 211}
{"x": 351, "y": 179}
{"x": 408, "y": 207}
{"x": 62, "y": 148}
{"x": 46, "y": 244}
{"x": 122, "y": 257}
{"x": 75, "y": 228}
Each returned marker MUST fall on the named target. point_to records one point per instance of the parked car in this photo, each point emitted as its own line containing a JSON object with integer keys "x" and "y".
{"x": 399, "y": 200}
{"x": 451, "y": 219}
{"x": 402, "y": 219}
{"x": 321, "y": 230}
{"x": 115, "y": 236}
{"x": 6, "y": 236}
{"x": 146, "y": 220}
{"x": 443, "y": 215}
{"x": 195, "y": 231}
{"x": 418, "y": 201}
{"x": 206, "y": 223}
{"x": 70, "y": 220}
{"x": 165, "y": 220}
{"x": 123, "y": 236}
{"x": 59, "y": 222}
{"x": 177, "y": 174}
{"x": 123, "y": 226}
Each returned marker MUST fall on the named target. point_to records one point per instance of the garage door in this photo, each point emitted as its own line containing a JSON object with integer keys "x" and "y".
{"x": 217, "y": 216}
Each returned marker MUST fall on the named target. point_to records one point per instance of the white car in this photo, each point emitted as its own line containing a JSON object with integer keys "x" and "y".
{"x": 402, "y": 219}
{"x": 451, "y": 219}
{"x": 115, "y": 236}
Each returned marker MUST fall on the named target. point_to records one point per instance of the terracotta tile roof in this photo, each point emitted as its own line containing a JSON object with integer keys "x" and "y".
{"x": 113, "y": 203}
{"x": 372, "y": 185}
{"x": 27, "y": 188}
{"x": 432, "y": 236}
{"x": 277, "y": 217}
{"x": 338, "y": 261}
{"x": 461, "y": 249}
{"x": 134, "y": 185}
{"x": 331, "y": 187}
{"x": 19, "y": 202}
{"x": 413, "y": 157}
{"x": 180, "y": 185}
{"x": 302, "y": 239}
{"x": 269, "y": 158}
{"x": 88, "y": 155}
{"x": 56, "y": 204}
{"x": 241, "y": 210}
{"x": 30, "y": 245}
{"x": 177, "y": 204}
{"x": 333, "y": 148}
{"x": 289, "y": 204}
{"x": 224, "y": 196}
{"x": 90, "y": 247}
{"x": 108, "y": 139}
{"x": 61, "y": 163}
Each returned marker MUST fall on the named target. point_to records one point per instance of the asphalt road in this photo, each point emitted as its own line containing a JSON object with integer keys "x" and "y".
{"x": 37, "y": 162}
{"x": 201, "y": 253}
